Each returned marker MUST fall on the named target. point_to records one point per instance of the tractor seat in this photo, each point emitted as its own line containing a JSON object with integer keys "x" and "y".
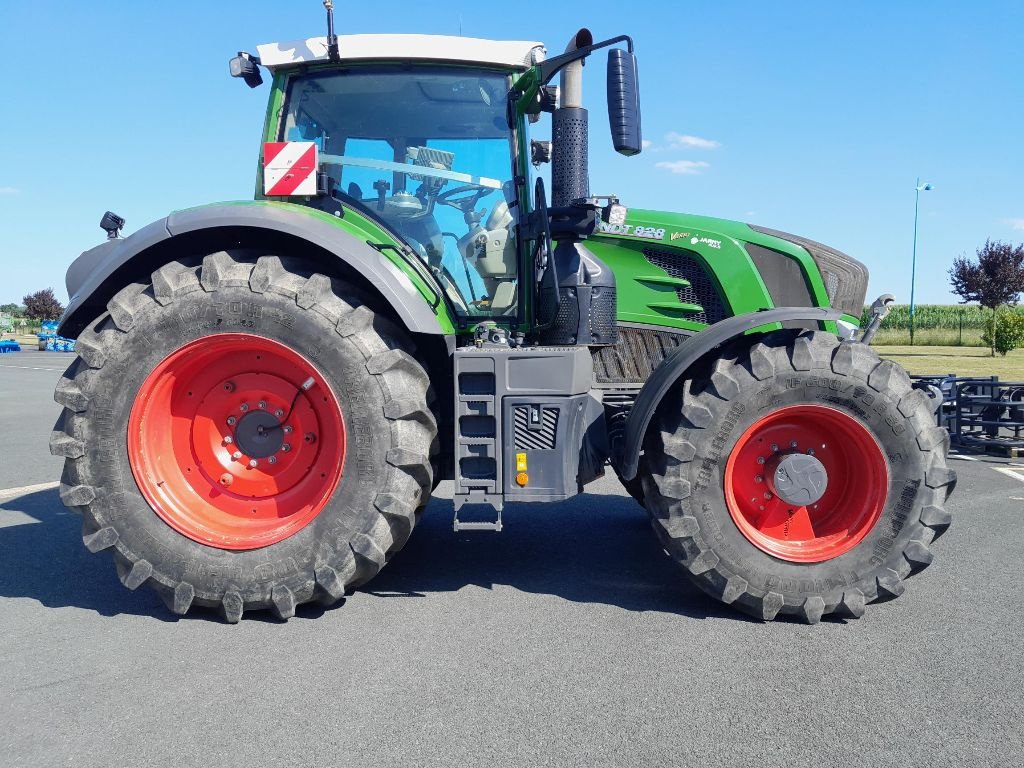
{"x": 496, "y": 259}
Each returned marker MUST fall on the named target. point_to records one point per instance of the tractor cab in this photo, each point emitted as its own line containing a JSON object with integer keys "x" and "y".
{"x": 427, "y": 136}
{"x": 428, "y": 150}
{"x": 414, "y": 131}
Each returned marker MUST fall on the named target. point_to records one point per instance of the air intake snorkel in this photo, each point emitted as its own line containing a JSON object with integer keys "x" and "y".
{"x": 570, "y": 174}
{"x": 576, "y": 301}
{"x": 569, "y": 125}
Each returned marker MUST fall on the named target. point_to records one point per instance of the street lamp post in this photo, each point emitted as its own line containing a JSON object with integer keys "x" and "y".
{"x": 918, "y": 189}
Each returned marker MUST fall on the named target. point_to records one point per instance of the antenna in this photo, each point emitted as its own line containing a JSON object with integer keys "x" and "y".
{"x": 332, "y": 39}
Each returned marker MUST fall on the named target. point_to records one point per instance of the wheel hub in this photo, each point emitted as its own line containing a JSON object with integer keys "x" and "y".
{"x": 799, "y": 479}
{"x": 259, "y": 434}
{"x": 806, "y": 483}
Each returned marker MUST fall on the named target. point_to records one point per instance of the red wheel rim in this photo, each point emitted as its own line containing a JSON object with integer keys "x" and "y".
{"x": 853, "y": 498}
{"x": 206, "y": 453}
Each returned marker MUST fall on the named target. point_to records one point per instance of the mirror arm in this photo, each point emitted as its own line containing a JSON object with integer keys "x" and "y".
{"x": 550, "y": 67}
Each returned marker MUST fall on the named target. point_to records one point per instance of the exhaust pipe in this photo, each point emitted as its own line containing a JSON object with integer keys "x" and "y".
{"x": 579, "y": 287}
{"x": 570, "y": 173}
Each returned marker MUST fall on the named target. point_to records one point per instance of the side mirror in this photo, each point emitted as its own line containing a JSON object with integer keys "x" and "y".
{"x": 246, "y": 67}
{"x": 624, "y": 102}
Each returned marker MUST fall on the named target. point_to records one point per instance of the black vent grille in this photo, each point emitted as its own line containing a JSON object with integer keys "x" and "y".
{"x": 701, "y": 290}
{"x": 637, "y": 353}
{"x": 782, "y": 276}
{"x": 542, "y": 439}
{"x": 603, "y": 309}
{"x": 567, "y": 321}
{"x": 845, "y": 278}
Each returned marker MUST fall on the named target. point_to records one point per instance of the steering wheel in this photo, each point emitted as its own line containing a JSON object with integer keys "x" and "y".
{"x": 464, "y": 197}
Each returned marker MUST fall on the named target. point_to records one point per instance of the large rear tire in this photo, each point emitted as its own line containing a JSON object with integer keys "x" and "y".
{"x": 244, "y": 434}
{"x": 862, "y": 444}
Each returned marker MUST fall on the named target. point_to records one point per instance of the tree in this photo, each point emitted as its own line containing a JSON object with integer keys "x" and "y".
{"x": 993, "y": 278}
{"x": 43, "y": 305}
{"x": 14, "y": 310}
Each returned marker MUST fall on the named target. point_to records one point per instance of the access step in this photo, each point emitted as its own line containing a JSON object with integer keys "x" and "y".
{"x": 477, "y": 525}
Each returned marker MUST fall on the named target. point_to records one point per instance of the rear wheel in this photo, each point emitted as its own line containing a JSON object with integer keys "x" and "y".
{"x": 802, "y": 476}
{"x": 242, "y": 434}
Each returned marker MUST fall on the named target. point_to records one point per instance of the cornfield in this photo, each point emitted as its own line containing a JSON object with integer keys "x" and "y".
{"x": 934, "y": 324}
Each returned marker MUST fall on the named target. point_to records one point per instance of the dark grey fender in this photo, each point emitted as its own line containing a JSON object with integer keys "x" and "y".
{"x": 675, "y": 366}
{"x": 93, "y": 277}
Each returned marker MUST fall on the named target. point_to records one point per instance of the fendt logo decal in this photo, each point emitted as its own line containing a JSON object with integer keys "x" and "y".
{"x": 648, "y": 233}
{"x": 289, "y": 168}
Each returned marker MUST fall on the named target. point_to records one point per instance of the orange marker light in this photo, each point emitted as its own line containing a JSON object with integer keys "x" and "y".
{"x": 522, "y": 478}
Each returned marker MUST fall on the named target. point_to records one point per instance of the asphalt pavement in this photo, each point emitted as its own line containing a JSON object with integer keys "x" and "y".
{"x": 569, "y": 639}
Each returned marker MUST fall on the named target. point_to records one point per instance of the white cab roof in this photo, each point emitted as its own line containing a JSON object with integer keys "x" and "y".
{"x": 517, "y": 54}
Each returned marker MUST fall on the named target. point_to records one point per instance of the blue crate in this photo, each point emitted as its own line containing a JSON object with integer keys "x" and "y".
{"x": 10, "y": 345}
{"x": 60, "y": 344}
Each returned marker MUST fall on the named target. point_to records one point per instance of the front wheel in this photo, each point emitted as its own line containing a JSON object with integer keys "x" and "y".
{"x": 243, "y": 433}
{"x": 801, "y": 476}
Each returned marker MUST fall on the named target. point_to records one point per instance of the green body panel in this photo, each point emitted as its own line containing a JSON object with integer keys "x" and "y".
{"x": 647, "y": 294}
{"x": 365, "y": 229}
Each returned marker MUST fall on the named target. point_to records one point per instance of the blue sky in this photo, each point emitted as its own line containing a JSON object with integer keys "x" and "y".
{"x": 811, "y": 117}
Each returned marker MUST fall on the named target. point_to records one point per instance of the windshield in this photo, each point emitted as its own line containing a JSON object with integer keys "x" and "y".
{"x": 428, "y": 150}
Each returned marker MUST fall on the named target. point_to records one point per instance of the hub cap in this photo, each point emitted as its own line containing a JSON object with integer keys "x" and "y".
{"x": 806, "y": 483}
{"x": 236, "y": 441}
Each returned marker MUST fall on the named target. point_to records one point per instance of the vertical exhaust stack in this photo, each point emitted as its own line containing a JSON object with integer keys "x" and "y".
{"x": 570, "y": 172}
{"x": 585, "y": 289}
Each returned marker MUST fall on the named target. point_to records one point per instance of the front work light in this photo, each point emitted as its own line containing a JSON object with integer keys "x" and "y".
{"x": 246, "y": 66}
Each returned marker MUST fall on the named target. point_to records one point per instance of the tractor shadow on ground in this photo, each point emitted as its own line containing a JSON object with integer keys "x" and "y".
{"x": 589, "y": 549}
{"x": 42, "y": 558}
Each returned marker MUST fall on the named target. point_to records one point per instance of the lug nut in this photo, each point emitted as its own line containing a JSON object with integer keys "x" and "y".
{"x": 228, "y": 440}
{"x": 232, "y": 421}
{"x": 759, "y": 479}
{"x": 229, "y": 386}
{"x": 253, "y": 463}
{"x": 272, "y": 459}
{"x": 279, "y": 413}
{"x": 261, "y": 404}
{"x": 243, "y": 407}
{"x": 236, "y": 455}
{"x": 767, "y": 495}
{"x": 286, "y": 447}
{"x": 287, "y": 429}
{"x": 810, "y": 451}
{"x": 775, "y": 447}
{"x": 792, "y": 444}
{"x": 760, "y": 459}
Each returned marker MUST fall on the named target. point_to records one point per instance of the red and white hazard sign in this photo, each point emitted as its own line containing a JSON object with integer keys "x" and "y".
{"x": 289, "y": 168}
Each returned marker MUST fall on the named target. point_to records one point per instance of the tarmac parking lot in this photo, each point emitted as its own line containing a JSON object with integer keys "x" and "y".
{"x": 567, "y": 639}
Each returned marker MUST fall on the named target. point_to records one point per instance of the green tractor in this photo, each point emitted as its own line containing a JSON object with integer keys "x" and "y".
{"x": 266, "y": 392}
